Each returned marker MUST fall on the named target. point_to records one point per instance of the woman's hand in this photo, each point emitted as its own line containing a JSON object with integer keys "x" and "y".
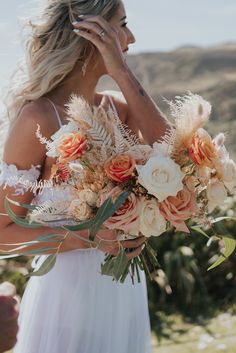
{"x": 106, "y": 240}
{"x": 105, "y": 38}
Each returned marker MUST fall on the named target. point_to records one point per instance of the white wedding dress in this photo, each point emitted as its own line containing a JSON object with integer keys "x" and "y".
{"x": 74, "y": 309}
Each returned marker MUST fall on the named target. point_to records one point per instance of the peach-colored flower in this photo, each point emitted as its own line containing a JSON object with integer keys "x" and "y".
{"x": 202, "y": 150}
{"x": 120, "y": 168}
{"x": 72, "y": 146}
{"x": 126, "y": 218}
{"x": 179, "y": 208}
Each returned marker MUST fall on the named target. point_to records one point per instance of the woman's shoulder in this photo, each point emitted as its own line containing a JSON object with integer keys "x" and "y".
{"x": 35, "y": 114}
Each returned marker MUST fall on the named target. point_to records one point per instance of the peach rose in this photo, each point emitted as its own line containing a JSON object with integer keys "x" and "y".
{"x": 179, "y": 208}
{"x": 72, "y": 146}
{"x": 202, "y": 150}
{"x": 126, "y": 218}
{"x": 120, "y": 168}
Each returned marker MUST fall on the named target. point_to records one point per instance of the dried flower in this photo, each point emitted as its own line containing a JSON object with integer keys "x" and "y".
{"x": 59, "y": 173}
{"x": 80, "y": 210}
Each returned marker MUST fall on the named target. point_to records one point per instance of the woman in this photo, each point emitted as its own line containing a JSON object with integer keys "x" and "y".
{"x": 74, "y": 309}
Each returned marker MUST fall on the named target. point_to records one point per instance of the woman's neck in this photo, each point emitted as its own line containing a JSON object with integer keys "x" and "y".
{"x": 78, "y": 84}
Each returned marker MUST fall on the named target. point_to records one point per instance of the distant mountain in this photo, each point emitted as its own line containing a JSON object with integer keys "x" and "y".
{"x": 210, "y": 72}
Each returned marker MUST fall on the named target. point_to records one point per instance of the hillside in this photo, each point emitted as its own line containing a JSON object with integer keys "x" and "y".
{"x": 210, "y": 72}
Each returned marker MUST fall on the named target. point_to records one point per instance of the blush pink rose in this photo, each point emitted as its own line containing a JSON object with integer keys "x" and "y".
{"x": 179, "y": 208}
{"x": 126, "y": 218}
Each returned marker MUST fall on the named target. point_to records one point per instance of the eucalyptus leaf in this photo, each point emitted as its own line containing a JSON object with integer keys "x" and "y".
{"x": 80, "y": 226}
{"x": 107, "y": 267}
{"x": 120, "y": 264}
{"x": 24, "y": 205}
{"x": 46, "y": 266}
{"x": 106, "y": 211}
{"x": 230, "y": 245}
{"x": 51, "y": 238}
{"x": 200, "y": 231}
{"x": 99, "y": 218}
{"x": 19, "y": 220}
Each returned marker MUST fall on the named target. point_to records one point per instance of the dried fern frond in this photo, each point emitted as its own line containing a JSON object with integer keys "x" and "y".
{"x": 129, "y": 138}
{"x": 169, "y": 139}
{"x": 95, "y": 122}
{"x": 103, "y": 127}
{"x": 43, "y": 140}
{"x": 49, "y": 211}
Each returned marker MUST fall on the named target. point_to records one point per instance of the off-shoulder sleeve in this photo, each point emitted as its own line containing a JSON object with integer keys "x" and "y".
{"x": 21, "y": 180}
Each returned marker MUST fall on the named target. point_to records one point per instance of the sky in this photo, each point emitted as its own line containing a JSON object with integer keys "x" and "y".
{"x": 158, "y": 25}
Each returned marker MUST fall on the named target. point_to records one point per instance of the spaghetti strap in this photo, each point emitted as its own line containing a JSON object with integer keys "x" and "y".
{"x": 56, "y": 111}
{"x": 113, "y": 105}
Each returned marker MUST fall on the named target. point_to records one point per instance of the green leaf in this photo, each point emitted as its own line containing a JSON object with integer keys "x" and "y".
{"x": 106, "y": 211}
{"x": 120, "y": 264}
{"x": 230, "y": 245}
{"x": 41, "y": 251}
{"x": 46, "y": 266}
{"x": 107, "y": 267}
{"x": 99, "y": 218}
{"x": 199, "y": 230}
{"x": 18, "y": 220}
{"x": 51, "y": 238}
{"x": 24, "y": 205}
{"x": 120, "y": 200}
{"x": 80, "y": 226}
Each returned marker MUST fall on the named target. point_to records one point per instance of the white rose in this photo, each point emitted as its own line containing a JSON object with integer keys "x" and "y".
{"x": 88, "y": 196}
{"x": 161, "y": 176}
{"x": 152, "y": 223}
{"x": 80, "y": 210}
{"x": 160, "y": 149}
{"x": 216, "y": 194}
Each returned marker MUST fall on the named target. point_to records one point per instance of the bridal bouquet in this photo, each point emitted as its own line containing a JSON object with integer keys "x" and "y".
{"x": 120, "y": 184}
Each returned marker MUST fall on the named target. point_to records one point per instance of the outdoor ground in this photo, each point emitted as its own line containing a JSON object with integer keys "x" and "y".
{"x": 217, "y": 335}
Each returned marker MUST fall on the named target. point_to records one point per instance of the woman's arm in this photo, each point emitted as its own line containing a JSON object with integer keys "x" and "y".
{"x": 142, "y": 113}
{"x": 23, "y": 150}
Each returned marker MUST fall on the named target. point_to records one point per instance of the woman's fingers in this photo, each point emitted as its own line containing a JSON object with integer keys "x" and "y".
{"x": 90, "y": 26}
{"x": 131, "y": 255}
{"x": 92, "y": 37}
{"x": 96, "y": 19}
{"x": 134, "y": 243}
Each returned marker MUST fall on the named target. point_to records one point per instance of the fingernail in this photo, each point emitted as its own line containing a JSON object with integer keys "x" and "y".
{"x": 81, "y": 16}
{"x": 75, "y": 23}
{"x": 143, "y": 246}
{"x": 76, "y": 30}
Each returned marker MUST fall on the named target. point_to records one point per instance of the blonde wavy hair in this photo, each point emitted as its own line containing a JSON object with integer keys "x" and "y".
{"x": 53, "y": 49}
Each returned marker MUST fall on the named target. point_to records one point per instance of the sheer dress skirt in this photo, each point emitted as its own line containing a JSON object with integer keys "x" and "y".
{"x": 74, "y": 309}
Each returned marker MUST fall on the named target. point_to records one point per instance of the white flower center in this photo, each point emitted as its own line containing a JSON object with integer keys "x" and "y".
{"x": 160, "y": 176}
